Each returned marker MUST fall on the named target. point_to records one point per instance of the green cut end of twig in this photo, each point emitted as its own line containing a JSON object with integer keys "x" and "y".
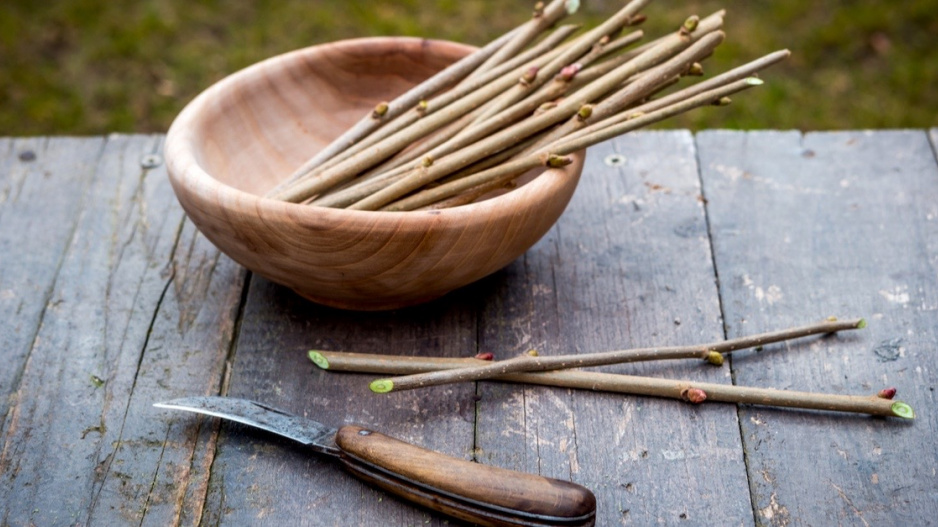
{"x": 861, "y": 324}
{"x": 319, "y": 359}
{"x": 900, "y": 409}
{"x": 572, "y": 6}
{"x": 381, "y": 385}
{"x": 754, "y": 81}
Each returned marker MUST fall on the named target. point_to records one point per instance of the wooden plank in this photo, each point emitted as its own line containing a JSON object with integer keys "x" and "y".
{"x": 627, "y": 265}
{"x": 843, "y": 224}
{"x": 260, "y": 478}
{"x": 140, "y": 311}
{"x": 38, "y": 207}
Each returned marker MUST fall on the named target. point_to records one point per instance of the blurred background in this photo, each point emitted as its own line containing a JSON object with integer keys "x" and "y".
{"x": 99, "y": 66}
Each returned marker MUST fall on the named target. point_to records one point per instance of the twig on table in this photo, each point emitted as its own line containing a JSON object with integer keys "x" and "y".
{"x": 559, "y": 362}
{"x": 499, "y": 175}
{"x": 690, "y": 391}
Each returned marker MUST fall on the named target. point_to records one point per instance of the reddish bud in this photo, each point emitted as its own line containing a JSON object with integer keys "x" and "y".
{"x": 886, "y": 393}
{"x": 570, "y": 71}
{"x": 694, "y": 395}
{"x": 488, "y": 355}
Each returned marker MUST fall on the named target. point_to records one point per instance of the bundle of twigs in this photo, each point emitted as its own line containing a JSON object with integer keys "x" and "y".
{"x": 529, "y": 98}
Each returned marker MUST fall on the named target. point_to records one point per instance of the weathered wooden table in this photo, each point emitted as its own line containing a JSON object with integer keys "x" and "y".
{"x": 111, "y": 301}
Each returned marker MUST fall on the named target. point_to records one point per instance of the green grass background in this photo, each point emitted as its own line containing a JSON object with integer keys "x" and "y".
{"x": 99, "y": 66}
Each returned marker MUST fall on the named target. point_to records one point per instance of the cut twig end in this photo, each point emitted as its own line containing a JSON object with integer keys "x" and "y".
{"x": 381, "y": 385}
{"x": 319, "y": 359}
{"x": 900, "y": 409}
{"x": 572, "y": 6}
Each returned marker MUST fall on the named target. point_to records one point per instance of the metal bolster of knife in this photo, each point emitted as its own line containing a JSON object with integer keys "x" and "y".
{"x": 470, "y": 491}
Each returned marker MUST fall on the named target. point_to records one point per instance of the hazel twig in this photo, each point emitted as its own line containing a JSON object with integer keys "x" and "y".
{"x": 438, "y": 112}
{"x": 369, "y": 123}
{"x": 497, "y": 141}
{"x": 501, "y": 174}
{"x": 689, "y": 391}
{"x": 529, "y": 364}
{"x": 543, "y": 19}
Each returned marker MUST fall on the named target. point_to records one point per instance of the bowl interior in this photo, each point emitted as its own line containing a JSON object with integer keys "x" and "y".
{"x": 272, "y": 117}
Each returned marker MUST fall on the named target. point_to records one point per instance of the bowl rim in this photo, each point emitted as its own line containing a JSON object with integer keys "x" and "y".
{"x": 185, "y": 171}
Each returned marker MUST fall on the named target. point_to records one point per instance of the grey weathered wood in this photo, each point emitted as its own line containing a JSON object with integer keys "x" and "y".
{"x": 81, "y": 443}
{"x": 111, "y": 301}
{"x": 628, "y": 265}
{"x": 40, "y": 200}
{"x": 825, "y": 224}
{"x": 257, "y": 477}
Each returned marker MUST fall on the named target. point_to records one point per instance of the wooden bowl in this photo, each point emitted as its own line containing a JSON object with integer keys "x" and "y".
{"x": 240, "y": 137}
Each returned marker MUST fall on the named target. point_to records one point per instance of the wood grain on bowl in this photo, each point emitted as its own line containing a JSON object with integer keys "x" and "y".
{"x": 245, "y": 134}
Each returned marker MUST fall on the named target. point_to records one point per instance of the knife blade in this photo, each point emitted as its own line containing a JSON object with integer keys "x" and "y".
{"x": 469, "y": 491}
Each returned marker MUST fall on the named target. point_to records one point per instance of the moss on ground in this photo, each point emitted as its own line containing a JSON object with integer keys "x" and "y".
{"x": 98, "y": 66}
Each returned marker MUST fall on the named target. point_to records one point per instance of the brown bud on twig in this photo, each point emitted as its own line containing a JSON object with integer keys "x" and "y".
{"x": 532, "y": 353}
{"x": 549, "y": 105}
{"x": 555, "y": 161}
{"x": 380, "y": 109}
{"x": 693, "y": 395}
{"x": 637, "y": 20}
{"x": 886, "y": 393}
{"x": 421, "y": 107}
{"x": 584, "y": 112}
{"x": 427, "y": 161}
{"x": 529, "y": 76}
{"x": 488, "y": 355}
{"x": 722, "y": 101}
{"x": 538, "y": 10}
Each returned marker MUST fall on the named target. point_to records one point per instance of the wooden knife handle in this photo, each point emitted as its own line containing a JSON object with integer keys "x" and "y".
{"x": 469, "y": 491}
